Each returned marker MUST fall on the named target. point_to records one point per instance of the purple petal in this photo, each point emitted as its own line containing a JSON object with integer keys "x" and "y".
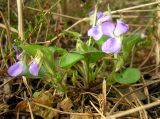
{"x": 99, "y": 14}
{"x": 103, "y": 19}
{"x": 121, "y": 28}
{"x": 34, "y": 68}
{"x": 108, "y": 29}
{"x": 16, "y": 69}
{"x": 112, "y": 45}
{"x": 95, "y": 32}
{"x": 90, "y": 32}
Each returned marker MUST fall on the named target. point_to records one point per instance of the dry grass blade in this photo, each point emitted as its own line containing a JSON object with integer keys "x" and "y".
{"x": 11, "y": 28}
{"x": 121, "y": 114}
{"x": 102, "y": 116}
{"x": 64, "y": 112}
{"x": 30, "y": 110}
{"x": 135, "y": 7}
{"x": 20, "y": 19}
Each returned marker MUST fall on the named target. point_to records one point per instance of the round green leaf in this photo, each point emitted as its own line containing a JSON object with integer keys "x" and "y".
{"x": 130, "y": 75}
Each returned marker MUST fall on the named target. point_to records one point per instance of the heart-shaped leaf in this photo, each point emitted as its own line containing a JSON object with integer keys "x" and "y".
{"x": 130, "y": 75}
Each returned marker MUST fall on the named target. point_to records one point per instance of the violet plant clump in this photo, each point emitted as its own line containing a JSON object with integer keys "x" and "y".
{"x": 81, "y": 62}
{"x": 113, "y": 44}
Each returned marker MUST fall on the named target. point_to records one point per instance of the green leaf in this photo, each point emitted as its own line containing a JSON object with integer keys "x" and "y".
{"x": 91, "y": 54}
{"x": 70, "y": 59}
{"x": 130, "y": 75}
{"x": 32, "y": 49}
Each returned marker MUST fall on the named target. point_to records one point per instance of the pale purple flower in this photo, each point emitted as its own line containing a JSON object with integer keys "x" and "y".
{"x": 109, "y": 28}
{"x": 113, "y": 45}
{"x": 34, "y": 68}
{"x": 16, "y": 69}
{"x": 95, "y": 32}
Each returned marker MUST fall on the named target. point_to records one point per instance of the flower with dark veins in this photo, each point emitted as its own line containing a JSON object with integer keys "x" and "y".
{"x": 114, "y": 43}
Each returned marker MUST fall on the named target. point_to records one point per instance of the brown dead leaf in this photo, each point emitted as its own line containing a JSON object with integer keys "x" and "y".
{"x": 66, "y": 104}
{"x": 22, "y": 106}
{"x": 45, "y": 98}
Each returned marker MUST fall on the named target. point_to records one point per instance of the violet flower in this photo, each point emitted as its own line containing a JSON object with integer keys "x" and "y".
{"x": 18, "y": 67}
{"x": 114, "y": 43}
{"x": 103, "y": 18}
{"x": 96, "y": 31}
{"x": 34, "y": 68}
